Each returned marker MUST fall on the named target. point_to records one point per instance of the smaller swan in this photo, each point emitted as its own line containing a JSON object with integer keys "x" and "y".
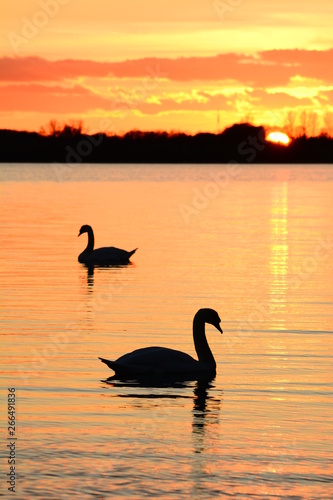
{"x": 102, "y": 256}
{"x": 152, "y": 362}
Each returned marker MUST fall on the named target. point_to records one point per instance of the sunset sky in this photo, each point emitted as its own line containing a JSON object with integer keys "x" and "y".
{"x": 185, "y": 65}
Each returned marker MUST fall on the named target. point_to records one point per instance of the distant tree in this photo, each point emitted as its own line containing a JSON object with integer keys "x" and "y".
{"x": 73, "y": 129}
{"x": 312, "y": 124}
{"x": 289, "y": 126}
{"x": 242, "y": 131}
{"x": 51, "y": 129}
{"x": 328, "y": 124}
{"x": 54, "y": 129}
{"x": 248, "y": 119}
{"x": 304, "y": 122}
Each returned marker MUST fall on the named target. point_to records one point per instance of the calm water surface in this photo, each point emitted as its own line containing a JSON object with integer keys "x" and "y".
{"x": 253, "y": 242}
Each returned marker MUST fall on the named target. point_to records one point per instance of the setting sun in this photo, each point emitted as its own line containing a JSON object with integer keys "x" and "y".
{"x": 278, "y": 137}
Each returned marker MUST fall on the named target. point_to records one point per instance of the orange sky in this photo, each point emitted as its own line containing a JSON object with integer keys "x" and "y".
{"x": 178, "y": 65}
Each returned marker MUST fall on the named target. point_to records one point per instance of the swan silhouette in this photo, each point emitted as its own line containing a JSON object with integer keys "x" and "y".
{"x": 151, "y": 362}
{"x": 102, "y": 256}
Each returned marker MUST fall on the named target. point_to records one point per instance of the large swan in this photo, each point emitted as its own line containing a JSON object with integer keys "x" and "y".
{"x": 101, "y": 256}
{"x": 151, "y": 362}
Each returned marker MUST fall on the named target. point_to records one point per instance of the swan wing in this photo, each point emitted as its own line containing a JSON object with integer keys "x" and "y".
{"x": 112, "y": 253}
{"x": 106, "y": 255}
{"x": 153, "y": 361}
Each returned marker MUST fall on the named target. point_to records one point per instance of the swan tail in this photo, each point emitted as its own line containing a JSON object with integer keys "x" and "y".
{"x": 132, "y": 252}
{"x": 111, "y": 364}
{"x": 120, "y": 370}
{"x": 123, "y": 370}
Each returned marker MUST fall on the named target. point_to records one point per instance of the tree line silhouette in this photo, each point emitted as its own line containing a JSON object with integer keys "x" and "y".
{"x": 241, "y": 143}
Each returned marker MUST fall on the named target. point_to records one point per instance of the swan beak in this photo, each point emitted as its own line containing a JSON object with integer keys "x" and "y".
{"x": 79, "y": 234}
{"x": 219, "y": 328}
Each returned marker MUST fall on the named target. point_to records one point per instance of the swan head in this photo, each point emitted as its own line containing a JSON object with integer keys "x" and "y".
{"x": 210, "y": 316}
{"x": 84, "y": 229}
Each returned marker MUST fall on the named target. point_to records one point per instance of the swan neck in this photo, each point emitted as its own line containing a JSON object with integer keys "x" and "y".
{"x": 200, "y": 342}
{"x": 91, "y": 240}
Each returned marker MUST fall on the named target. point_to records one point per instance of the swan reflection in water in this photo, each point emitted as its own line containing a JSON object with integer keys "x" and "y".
{"x": 90, "y": 268}
{"x": 205, "y": 410}
{"x": 173, "y": 390}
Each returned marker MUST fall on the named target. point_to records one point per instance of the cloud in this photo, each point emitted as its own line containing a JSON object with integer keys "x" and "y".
{"x": 51, "y": 99}
{"x": 37, "y": 69}
{"x": 79, "y": 99}
{"x": 201, "y": 101}
{"x": 278, "y": 100}
{"x": 306, "y": 63}
{"x": 267, "y": 68}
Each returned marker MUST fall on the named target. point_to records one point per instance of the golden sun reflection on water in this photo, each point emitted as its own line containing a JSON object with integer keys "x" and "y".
{"x": 279, "y": 255}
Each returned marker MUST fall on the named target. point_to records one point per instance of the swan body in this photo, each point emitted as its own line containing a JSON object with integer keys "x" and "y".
{"x": 151, "y": 362}
{"x": 101, "y": 256}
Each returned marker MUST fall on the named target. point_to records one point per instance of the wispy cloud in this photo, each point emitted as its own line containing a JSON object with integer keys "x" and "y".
{"x": 40, "y": 98}
{"x": 266, "y": 68}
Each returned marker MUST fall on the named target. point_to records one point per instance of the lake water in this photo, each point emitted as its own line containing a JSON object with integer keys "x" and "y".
{"x": 253, "y": 242}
